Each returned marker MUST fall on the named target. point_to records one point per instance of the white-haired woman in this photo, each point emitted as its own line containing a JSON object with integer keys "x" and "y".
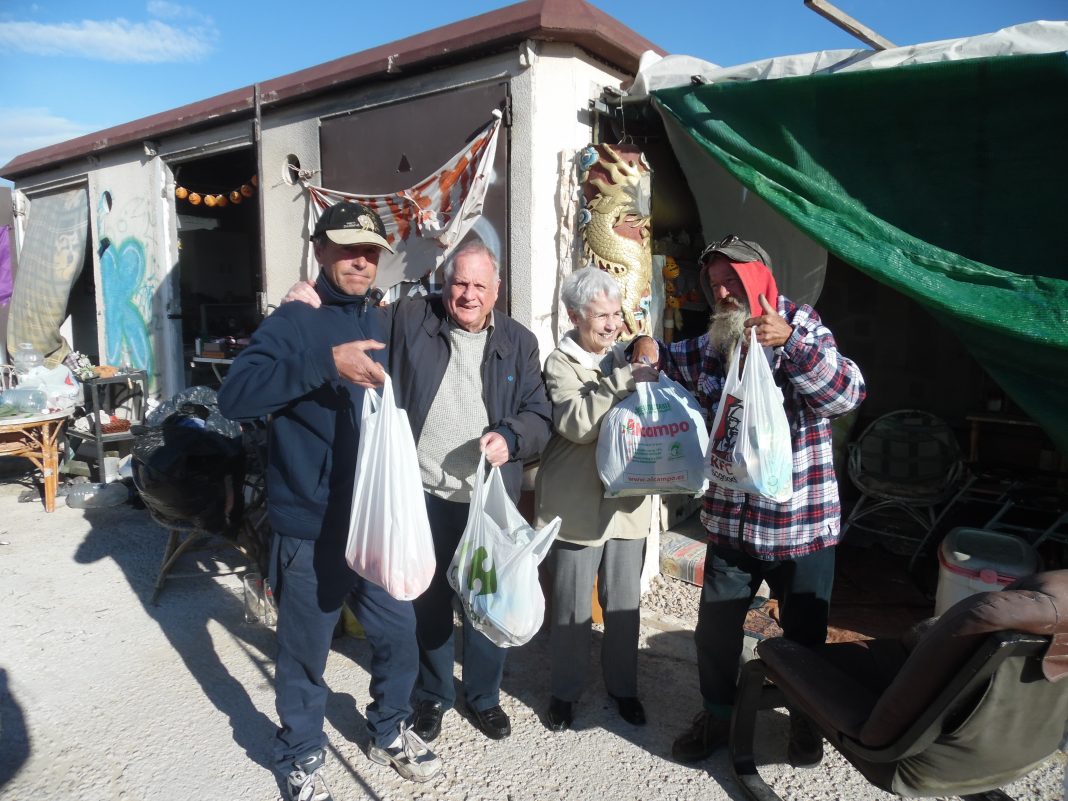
{"x": 600, "y": 537}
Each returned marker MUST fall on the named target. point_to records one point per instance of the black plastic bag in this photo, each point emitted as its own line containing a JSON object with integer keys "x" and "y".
{"x": 189, "y": 464}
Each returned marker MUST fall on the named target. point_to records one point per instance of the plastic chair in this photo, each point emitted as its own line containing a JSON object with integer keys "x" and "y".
{"x": 973, "y": 701}
{"x": 907, "y": 461}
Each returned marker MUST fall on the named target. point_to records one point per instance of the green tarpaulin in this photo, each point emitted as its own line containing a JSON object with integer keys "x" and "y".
{"x": 945, "y": 181}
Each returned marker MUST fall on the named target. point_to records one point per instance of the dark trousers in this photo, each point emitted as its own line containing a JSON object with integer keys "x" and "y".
{"x": 311, "y": 580}
{"x": 732, "y": 578}
{"x": 483, "y": 662}
{"x": 617, "y": 567}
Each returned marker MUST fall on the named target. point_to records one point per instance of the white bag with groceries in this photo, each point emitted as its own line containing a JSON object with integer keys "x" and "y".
{"x": 495, "y": 567}
{"x": 653, "y": 442}
{"x": 750, "y": 449}
{"x": 389, "y": 533}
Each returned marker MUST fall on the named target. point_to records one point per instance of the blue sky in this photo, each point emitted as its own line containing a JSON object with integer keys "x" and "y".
{"x": 70, "y": 68}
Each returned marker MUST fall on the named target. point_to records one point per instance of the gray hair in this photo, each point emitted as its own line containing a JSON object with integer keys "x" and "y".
{"x": 475, "y": 247}
{"x": 583, "y": 286}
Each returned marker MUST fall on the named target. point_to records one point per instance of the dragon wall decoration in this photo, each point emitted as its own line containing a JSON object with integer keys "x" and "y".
{"x": 615, "y": 225}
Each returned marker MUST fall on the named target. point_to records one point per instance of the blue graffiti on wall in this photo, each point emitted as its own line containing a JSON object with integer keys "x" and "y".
{"x": 122, "y": 271}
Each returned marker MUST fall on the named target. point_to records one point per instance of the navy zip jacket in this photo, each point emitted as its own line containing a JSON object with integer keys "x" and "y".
{"x": 288, "y": 372}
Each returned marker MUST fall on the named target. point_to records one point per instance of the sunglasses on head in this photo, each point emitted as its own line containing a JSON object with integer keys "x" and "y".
{"x": 726, "y": 242}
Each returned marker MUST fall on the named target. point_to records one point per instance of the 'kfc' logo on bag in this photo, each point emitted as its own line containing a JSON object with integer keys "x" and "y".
{"x": 726, "y": 433}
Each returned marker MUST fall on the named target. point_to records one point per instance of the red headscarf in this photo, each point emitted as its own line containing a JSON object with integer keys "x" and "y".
{"x": 755, "y": 277}
{"x": 757, "y": 280}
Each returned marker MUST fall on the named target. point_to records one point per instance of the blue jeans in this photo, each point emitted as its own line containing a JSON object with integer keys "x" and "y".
{"x": 311, "y": 580}
{"x": 732, "y": 578}
{"x": 483, "y": 662}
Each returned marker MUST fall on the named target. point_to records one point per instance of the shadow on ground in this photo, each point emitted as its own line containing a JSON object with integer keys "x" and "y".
{"x": 184, "y": 610}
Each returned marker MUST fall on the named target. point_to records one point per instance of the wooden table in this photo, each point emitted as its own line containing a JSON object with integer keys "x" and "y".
{"x": 36, "y": 437}
{"x": 215, "y": 363}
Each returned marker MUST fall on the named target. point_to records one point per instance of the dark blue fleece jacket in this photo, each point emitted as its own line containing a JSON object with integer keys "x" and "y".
{"x": 288, "y": 372}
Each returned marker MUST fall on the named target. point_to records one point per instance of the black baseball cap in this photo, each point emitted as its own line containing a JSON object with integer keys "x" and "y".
{"x": 351, "y": 223}
{"x": 737, "y": 250}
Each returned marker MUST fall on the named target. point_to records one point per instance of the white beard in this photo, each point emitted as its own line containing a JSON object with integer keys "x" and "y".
{"x": 727, "y": 327}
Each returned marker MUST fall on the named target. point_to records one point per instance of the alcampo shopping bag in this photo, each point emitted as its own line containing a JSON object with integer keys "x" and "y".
{"x": 750, "y": 448}
{"x": 495, "y": 567}
{"x": 653, "y": 442}
{"x": 389, "y": 534}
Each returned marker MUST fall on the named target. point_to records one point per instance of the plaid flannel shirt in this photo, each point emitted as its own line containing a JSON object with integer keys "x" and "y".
{"x": 818, "y": 383}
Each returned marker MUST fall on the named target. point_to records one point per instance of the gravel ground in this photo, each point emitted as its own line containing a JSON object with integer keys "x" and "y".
{"x": 105, "y": 696}
{"x": 672, "y": 599}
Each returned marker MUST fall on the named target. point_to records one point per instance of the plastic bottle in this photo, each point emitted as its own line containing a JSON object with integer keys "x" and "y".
{"x": 26, "y": 358}
{"x": 97, "y": 496}
{"x": 26, "y": 401}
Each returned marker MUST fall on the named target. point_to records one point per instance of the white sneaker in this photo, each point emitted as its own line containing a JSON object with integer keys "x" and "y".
{"x": 409, "y": 755}
{"x": 307, "y": 780}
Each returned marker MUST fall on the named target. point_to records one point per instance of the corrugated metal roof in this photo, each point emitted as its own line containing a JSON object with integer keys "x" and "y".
{"x": 573, "y": 21}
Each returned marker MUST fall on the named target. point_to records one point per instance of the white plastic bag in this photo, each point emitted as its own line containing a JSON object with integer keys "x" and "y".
{"x": 389, "y": 534}
{"x": 495, "y": 567}
{"x": 653, "y": 442}
{"x": 62, "y": 390}
{"x": 750, "y": 448}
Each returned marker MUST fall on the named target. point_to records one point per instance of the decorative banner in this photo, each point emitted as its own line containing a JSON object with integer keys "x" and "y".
{"x": 6, "y": 279}
{"x": 616, "y": 186}
{"x": 50, "y": 262}
{"x": 424, "y": 223}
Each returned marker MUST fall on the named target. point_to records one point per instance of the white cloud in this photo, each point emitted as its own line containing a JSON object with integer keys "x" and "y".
{"x": 166, "y": 10}
{"x": 27, "y": 129}
{"x": 116, "y": 40}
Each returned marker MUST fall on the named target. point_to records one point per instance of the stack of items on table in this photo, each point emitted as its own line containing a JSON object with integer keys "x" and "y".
{"x": 222, "y": 347}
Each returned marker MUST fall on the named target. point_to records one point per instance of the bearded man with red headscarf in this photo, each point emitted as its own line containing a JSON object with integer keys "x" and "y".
{"x": 751, "y": 538}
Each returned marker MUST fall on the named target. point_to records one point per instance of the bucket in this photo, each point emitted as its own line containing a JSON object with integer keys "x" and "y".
{"x": 972, "y": 560}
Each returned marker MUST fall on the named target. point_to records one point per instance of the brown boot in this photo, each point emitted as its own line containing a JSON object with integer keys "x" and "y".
{"x": 704, "y": 737}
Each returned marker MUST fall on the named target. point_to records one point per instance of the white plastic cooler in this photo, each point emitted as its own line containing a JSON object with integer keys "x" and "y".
{"x": 973, "y": 560}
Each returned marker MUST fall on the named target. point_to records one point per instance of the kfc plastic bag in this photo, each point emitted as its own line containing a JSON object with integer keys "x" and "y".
{"x": 389, "y": 534}
{"x": 750, "y": 448}
{"x": 495, "y": 567}
{"x": 653, "y": 442}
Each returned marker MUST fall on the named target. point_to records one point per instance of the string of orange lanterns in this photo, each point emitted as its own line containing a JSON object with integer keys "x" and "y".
{"x": 211, "y": 200}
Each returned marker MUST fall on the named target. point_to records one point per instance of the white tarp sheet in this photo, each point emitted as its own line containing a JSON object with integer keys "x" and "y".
{"x": 1025, "y": 38}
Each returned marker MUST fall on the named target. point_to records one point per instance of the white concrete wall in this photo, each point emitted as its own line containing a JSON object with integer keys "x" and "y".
{"x": 550, "y": 109}
{"x": 131, "y": 275}
{"x": 285, "y": 205}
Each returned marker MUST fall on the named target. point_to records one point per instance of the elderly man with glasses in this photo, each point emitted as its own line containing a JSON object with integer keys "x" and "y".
{"x": 751, "y": 538}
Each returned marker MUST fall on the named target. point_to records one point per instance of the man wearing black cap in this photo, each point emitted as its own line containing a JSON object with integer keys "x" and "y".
{"x": 307, "y": 368}
{"x": 752, "y": 538}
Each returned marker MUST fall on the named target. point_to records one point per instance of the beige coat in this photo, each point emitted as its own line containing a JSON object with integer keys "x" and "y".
{"x": 567, "y": 483}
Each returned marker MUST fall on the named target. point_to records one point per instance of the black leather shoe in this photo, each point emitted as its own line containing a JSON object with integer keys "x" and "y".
{"x": 427, "y": 719}
{"x": 631, "y": 710}
{"x": 492, "y": 722}
{"x": 560, "y": 715}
